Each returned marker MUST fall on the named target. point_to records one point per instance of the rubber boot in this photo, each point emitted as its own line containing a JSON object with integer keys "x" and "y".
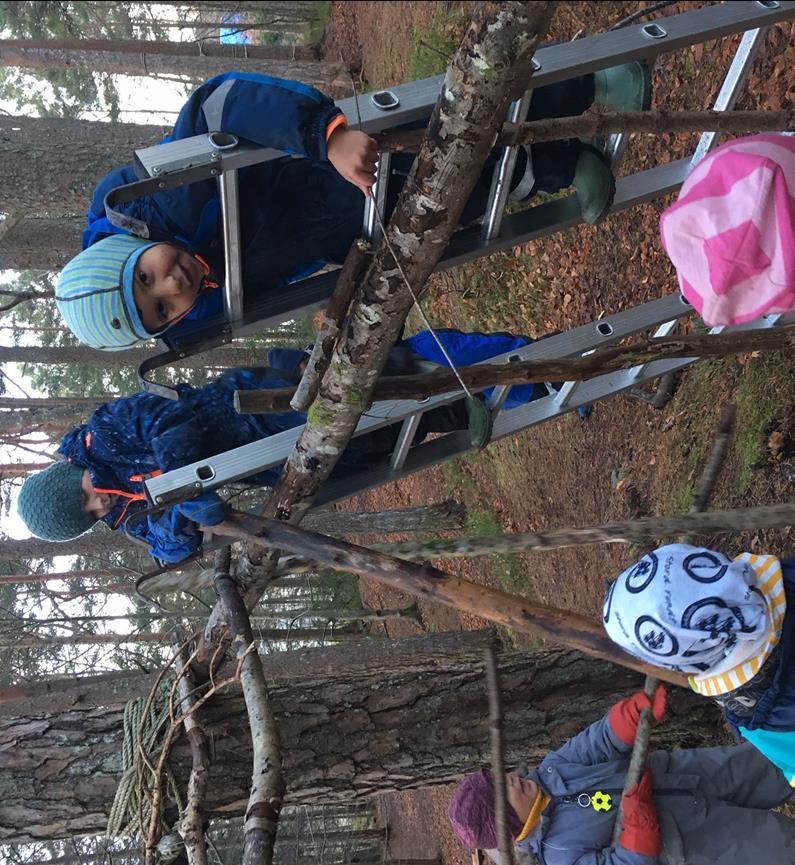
{"x": 595, "y": 184}
{"x": 624, "y": 88}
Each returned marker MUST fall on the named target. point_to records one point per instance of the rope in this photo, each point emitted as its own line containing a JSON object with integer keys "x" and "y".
{"x": 148, "y": 729}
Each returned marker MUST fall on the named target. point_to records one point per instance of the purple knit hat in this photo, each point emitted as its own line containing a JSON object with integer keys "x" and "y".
{"x": 472, "y": 812}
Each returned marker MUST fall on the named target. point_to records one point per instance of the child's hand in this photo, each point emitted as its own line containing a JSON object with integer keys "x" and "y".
{"x": 354, "y": 154}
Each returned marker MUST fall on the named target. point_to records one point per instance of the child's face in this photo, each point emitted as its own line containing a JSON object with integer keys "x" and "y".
{"x": 521, "y": 793}
{"x": 94, "y": 503}
{"x": 167, "y": 282}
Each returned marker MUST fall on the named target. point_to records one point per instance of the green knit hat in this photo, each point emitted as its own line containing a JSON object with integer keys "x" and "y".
{"x": 94, "y": 294}
{"x": 50, "y": 503}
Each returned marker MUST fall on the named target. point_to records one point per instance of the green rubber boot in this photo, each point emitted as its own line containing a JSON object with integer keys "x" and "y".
{"x": 595, "y": 185}
{"x": 624, "y": 88}
{"x": 480, "y": 422}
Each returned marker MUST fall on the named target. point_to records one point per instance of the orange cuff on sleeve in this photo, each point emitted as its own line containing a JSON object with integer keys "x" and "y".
{"x": 335, "y": 123}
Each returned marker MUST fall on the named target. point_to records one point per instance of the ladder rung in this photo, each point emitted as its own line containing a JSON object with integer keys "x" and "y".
{"x": 503, "y": 173}
{"x": 371, "y": 230}
{"x": 732, "y": 85}
{"x": 228, "y": 190}
{"x": 407, "y": 432}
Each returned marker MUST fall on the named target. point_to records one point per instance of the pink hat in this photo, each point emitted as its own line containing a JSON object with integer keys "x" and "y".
{"x": 731, "y": 233}
{"x": 472, "y": 812}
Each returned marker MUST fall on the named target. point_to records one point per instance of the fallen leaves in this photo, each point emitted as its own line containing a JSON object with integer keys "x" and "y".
{"x": 775, "y": 444}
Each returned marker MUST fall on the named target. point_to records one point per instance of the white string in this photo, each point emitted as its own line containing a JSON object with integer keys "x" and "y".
{"x": 416, "y": 301}
{"x": 400, "y": 268}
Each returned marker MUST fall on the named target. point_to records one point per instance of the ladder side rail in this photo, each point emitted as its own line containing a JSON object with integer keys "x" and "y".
{"x": 589, "y": 54}
{"x": 732, "y": 86}
{"x": 603, "y": 386}
{"x": 249, "y": 459}
{"x": 229, "y": 193}
{"x": 503, "y": 172}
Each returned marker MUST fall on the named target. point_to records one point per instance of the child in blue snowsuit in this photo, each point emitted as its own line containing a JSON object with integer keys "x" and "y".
{"x": 295, "y": 214}
{"x": 106, "y": 461}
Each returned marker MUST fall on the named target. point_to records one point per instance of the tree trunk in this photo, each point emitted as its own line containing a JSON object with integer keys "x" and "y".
{"x": 228, "y": 356}
{"x": 15, "y": 640}
{"x": 352, "y": 659}
{"x": 44, "y": 242}
{"x": 95, "y": 543}
{"x": 66, "y": 576}
{"x": 143, "y": 58}
{"x": 54, "y": 421}
{"x": 51, "y": 165}
{"x": 343, "y": 739}
{"x": 19, "y": 470}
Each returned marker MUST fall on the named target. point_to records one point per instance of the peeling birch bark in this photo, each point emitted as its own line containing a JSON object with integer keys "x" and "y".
{"x": 267, "y": 779}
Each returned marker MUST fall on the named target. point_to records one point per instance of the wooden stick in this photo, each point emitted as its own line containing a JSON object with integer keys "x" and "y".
{"x": 267, "y": 780}
{"x": 706, "y": 486}
{"x": 593, "y": 125}
{"x": 504, "y": 839}
{"x": 611, "y": 359}
{"x": 191, "y": 825}
{"x": 559, "y": 626}
{"x": 349, "y": 276}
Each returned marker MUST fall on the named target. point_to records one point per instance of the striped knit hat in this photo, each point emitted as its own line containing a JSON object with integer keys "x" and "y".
{"x": 94, "y": 294}
{"x": 49, "y": 503}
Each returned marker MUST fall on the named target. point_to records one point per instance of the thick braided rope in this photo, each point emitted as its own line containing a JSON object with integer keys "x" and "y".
{"x": 148, "y": 728}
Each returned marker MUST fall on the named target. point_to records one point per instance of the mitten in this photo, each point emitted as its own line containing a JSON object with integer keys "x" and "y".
{"x": 624, "y": 716}
{"x": 641, "y": 831}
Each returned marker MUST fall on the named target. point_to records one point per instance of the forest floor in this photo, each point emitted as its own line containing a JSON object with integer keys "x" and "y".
{"x": 628, "y": 459}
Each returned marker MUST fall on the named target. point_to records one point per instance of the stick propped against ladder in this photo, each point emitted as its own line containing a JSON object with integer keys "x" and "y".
{"x": 640, "y": 749}
{"x": 559, "y": 626}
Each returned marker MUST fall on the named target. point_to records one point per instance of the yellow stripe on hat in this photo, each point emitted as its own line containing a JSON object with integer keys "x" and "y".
{"x": 771, "y": 586}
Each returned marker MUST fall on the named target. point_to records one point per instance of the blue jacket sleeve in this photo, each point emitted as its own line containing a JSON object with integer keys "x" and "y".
{"x": 595, "y": 744}
{"x": 174, "y": 534}
{"x": 607, "y": 856}
{"x": 271, "y": 112}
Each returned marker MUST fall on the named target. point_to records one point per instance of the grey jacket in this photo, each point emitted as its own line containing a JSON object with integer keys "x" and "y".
{"x": 713, "y": 805}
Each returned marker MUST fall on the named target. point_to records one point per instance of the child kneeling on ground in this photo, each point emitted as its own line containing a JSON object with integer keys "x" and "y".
{"x": 729, "y": 624}
{"x": 106, "y": 461}
{"x": 700, "y": 806}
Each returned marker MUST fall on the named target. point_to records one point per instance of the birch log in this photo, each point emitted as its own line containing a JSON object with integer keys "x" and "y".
{"x": 491, "y": 68}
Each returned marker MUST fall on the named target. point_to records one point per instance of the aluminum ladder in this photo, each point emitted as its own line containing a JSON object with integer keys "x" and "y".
{"x": 499, "y": 231}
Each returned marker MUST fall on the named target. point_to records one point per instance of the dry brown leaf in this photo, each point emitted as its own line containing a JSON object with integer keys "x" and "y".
{"x": 775, "y": 444}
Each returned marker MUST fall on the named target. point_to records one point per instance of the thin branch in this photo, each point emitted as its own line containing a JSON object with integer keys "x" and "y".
{"x": 640, "y": 748}
{"x": 600, "y": 362}
{"x": 504, "y": 840}
{"x": 191, "y": 826}
{"x": 592, "y": 125}
{"x": 267, "y": 783}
